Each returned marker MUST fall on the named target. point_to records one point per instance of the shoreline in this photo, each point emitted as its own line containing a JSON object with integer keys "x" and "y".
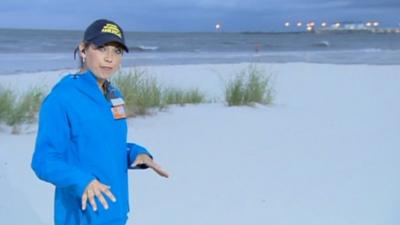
{"x": 38, "y": 62}
{"x": 201, "y": 63}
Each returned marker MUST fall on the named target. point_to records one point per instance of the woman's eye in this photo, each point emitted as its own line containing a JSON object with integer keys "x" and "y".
{"x": 118, "y": 51}
{"x": 101, "y": 48}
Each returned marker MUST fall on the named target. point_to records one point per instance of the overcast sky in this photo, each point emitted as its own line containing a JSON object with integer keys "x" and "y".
{"x": 193, "y": 15}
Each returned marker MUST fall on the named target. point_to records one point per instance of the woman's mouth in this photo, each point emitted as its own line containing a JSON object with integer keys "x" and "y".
{"x": 106, "y": 68}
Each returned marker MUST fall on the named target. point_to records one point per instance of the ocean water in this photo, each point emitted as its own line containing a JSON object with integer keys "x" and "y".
{"x": 42, "y": 50}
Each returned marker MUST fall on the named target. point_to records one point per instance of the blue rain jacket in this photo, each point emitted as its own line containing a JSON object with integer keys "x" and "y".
{"x": 79, "y": 140}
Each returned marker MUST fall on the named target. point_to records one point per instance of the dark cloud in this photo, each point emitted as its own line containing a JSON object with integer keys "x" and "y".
{"x": 191, "y": 15}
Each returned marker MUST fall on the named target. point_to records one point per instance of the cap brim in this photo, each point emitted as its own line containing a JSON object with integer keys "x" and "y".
{"x": 108, "y": 38}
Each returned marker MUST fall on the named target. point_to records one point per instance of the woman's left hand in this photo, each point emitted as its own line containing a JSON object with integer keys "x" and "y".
{"x": 145, "y": 159}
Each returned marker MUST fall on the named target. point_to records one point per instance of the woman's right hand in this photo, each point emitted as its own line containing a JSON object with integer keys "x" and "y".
{"x": 96, "y": 189}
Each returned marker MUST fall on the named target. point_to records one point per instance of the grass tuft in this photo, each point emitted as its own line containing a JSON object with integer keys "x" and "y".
{"x": 143, "y": 93}
{"x": 140, "y": 92}
{"x": 16, "y": 110}
{"x": 181, "y": 97}
{"x": 6, "y": 103}
{"x": 252, "y": 85}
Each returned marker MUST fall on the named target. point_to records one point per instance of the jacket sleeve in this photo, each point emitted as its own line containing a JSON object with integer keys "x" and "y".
{"x": 52, "y": 141}
{"x": 133, "y": 151}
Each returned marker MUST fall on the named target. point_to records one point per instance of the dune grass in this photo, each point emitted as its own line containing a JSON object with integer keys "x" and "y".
{"x": 18, "y": 109}
{"x": 172, "y": 96}
{"x": 251, "y": 85}
{"x": 143, "y": 93}
{"x": 6, "y": 103}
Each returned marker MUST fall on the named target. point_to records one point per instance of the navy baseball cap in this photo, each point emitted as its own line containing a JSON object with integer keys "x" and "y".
{"x": 103, "y": 31}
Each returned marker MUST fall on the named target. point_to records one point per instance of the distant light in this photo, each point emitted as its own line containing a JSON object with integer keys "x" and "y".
{"x": 337, "y": 25}
{"x": 311, "y": 24}
{"x": 309, "y": 28}
{"x": 324, "y": 24}
{"x": 218, "y": 27}
{"x": 375, "y": 24}
{"x": 299, "y": 24}
{"x": 368, "y": 24}
{"x": 287, "y": 24}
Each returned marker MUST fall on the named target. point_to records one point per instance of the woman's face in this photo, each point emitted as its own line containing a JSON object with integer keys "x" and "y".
{"x": 103, "y": 61}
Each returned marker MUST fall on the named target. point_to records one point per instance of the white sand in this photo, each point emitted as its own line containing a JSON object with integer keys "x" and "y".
{"x": 326, "y": 153}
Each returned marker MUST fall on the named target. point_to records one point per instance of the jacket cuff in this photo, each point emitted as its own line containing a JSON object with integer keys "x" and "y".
{"x": 133, "y": 151}
{"x": 84, "y": 181}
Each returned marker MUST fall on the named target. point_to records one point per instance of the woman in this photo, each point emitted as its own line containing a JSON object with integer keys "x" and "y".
{"x": 81, "y": 145}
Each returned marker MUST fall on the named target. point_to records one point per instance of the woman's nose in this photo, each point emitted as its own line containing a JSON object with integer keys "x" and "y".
{"x": 108, "y": 55}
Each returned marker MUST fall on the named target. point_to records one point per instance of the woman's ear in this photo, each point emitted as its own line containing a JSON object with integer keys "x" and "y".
{"x": 82, "y": 50}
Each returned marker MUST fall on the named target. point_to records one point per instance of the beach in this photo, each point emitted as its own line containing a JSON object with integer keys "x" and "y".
{"x": 325, "y": 152}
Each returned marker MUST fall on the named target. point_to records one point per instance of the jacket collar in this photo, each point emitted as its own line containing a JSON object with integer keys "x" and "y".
{"x": 89, "y": 86}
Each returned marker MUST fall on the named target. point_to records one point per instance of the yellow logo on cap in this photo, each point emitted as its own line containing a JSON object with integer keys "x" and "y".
{"x": 111, "y": 28}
